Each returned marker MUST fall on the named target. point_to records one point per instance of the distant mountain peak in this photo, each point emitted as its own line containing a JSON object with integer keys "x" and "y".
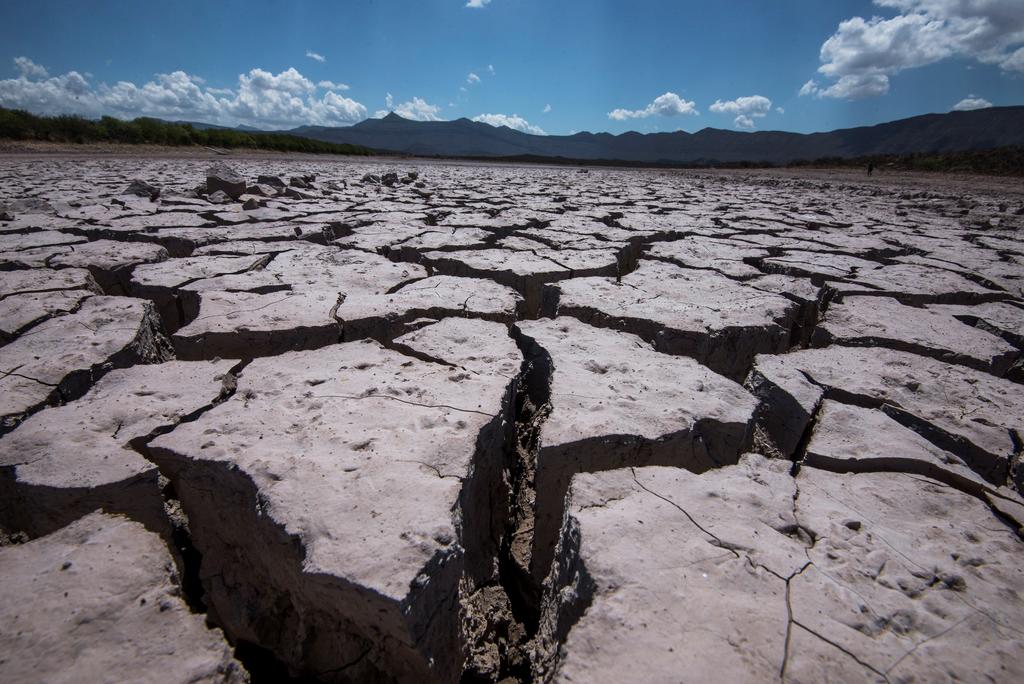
{"x": 980, "y": 129}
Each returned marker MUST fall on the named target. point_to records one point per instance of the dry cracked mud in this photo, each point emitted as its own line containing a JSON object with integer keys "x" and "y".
{"x": 471, "y": 423}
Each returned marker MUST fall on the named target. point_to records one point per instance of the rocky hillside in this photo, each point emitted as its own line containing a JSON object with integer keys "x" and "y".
{"x": 954, "y": 131}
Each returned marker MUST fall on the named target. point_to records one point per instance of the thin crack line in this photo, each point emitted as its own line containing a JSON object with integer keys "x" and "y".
{"x": 404, "y": 401}
{"x": 719, "y": 542}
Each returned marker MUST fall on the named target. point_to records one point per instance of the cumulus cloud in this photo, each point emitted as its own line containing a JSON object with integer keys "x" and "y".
{"x": 752, "y": 105}
{"x": 331, "y": 85}
{"x": 863, "y": 54}
{"x": 29, "y": 69}
{"x": 318, "y": 57}
{"x": 971, "y": 102}
{"x": 515, "y": 121}
{"x": 416, "y": 109}
{"x": 490, "y": 69}
{"x": 850, "y": 87}
{"x": 261, "y": 98}
{"x": 668, "y": 104}
{"x": 472, "y": 78}
{"x": 746, "y": 109}
{"x": 477, "y": 4}
{"x": 547, "y": 108}
{"x": 780, "y": 110}
{"x": 743, "y": 121}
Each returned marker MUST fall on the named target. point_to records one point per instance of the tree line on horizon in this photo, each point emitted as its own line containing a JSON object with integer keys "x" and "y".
{"x": 18, "y": 124}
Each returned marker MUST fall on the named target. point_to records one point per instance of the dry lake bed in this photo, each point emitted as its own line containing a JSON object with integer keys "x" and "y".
{"x": 402, "y": 420}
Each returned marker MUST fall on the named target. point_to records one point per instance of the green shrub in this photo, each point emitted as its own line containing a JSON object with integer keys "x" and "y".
{"x": 16, "y": 124}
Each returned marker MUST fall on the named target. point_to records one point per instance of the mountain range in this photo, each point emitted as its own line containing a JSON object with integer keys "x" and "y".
{"x": 950, "y": 132}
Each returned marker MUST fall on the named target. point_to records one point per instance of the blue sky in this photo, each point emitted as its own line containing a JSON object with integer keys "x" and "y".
{"x": 556, "y": 66}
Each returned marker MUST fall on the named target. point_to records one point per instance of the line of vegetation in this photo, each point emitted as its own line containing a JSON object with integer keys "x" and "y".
{"x": 17, "y": 124}
{"x": 999, "y": 161}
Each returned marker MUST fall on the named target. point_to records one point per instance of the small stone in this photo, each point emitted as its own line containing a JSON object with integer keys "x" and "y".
{"x": 142, "y": 189}
{"x": 274, "y": 181}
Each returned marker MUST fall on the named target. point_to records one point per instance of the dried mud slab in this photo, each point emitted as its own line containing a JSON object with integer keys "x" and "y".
{"x": 819, "y": 266}
{"x": 884, "y": 322}
{"x": 852, "y": 439}
{"x": 335, "y": 500}
{"x": 616, "y": 402}
{"x": 909, "y": 578}
{"x": 666, "y": 575}
{"x": 19, "y": 312}
{"x": 99, "y": 601}
{"x": 321, "y": 269}
{"x": 744, "y": 573}
{"x": 700, "y": 314}
{"x": 60, "y": 358}
{"x": 1004, "y": 319}
{"x": 477, "y": 345}
{"x": 46, "y": 280}
{"x": 524, "y": 271}
{"x": 67, "y": 461}
{"x": 385, "y": 316}
{"x": 161, "y": 282}
{"x": 725, "y": 256}
{"x": 971, "y": 414}
{"x": 111, "y": 263}
{"x": 239, "y": 325}
{"x": 915, "y": 284}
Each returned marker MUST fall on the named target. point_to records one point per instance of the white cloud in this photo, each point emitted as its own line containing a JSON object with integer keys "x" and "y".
{"x": 29, "y": 69}
{"x": 288, "y": 81}
{"x": 490, "y": 69}
{"x": 472, "y": 78}
{"x": 850, "y": 86}
{"x": 331, "y": 85}
{"x": 746, "y": 109}
{"x": 1015, "y": 61}
{"x": 416, "y": 109}
{"x": 477, "y": 4}
{"x": 970, "y": 103}
{"x": 547, "y": 108}
{"x": 668, "y": 104}
{"x": 863, "y": 54}
{"x": 515, "y": 121}
{"x": 743, "y": 121}
{"x": 780, "y": 110}
{"x": 751, "y": 105}
{"x": 261, "y": 98}
{"x": 318, "y": 57}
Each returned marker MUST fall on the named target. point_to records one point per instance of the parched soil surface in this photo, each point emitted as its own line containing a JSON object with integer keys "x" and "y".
{"x": 350, "y": 421}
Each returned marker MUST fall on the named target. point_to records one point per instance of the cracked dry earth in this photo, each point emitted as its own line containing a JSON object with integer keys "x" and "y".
{"x": 507, "y": 424}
